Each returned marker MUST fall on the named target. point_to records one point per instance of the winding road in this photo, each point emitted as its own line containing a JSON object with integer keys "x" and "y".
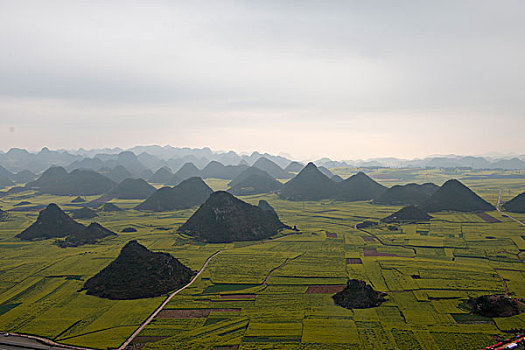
{"x": 155, "y": 313}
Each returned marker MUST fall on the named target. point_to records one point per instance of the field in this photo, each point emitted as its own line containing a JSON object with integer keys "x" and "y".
{"x": 276, "y": 294}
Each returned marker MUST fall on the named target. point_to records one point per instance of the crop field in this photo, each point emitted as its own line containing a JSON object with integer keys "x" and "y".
{"x": 277, "y": 294}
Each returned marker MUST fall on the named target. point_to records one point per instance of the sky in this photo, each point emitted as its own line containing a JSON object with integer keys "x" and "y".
{"x": 338, "y": 79}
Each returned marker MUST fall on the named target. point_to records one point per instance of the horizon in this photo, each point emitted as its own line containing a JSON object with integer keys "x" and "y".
{"x": 338, "y": 80}
{"x": 489, "y": 156}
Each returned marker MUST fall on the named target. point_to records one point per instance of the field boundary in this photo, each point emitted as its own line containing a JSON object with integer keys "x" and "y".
{"x": 165, "y": 302}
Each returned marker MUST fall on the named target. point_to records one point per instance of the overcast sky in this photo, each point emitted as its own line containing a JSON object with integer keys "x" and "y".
{"x": 343, "y": 79}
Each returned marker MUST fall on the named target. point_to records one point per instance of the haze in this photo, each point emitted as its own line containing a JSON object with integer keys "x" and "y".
{"x": 341, "y": 79}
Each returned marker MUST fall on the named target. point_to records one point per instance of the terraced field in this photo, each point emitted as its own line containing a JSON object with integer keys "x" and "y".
{"x": 277, "y": 293}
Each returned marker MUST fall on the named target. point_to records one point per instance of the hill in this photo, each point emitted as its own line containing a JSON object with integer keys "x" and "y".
{"x": 271, "y": 168}
{"x": 4, "y": 173}
{"x": 187, "y": 171}
{"x": 110, "y": 207}
{"x": 161, "y": 176}
{"x": 138, "y": 273}
{"x": 174, "y": 181}
{"x": 217, "y": 170}
{"x": 12, "y": 190}
{"x": 493, "y": 306}
{"x": 224, "y": 218}
{"x": 132, "y": 189}
{"x": 23, "y": 177}
{"x": 79, "y": 182}
{"x": 117, "y": 173}
{"x": 51, "y": 177}
{"x": 89, "y": 235}
{"x": 294, "y": 167}
{"x": 3, "y": 215}
{"x": 410, "y": 194}
{"x": 516, "y": 204}
{"x": 336, "y": 178}
{"x": 255, "y": 184}
{"x": 358, "y": 187}
{"x": 52, "y": 222}
{"x": 187, "y": 194}
{"x": 84, "y": 213}
{"x": 309, "y": 185}
{"x": 407, "y": 214}
{"x": 455, "y": 196}
{"x": 247, "y": 173}
{"x": 5, "y": 182}
{"x": 130, "y": 161}
{"x": 325, "y": 171}
{"x": 358, "y": 295}
{"x": 264, "y": 205}
{"x": 78, "y": 200}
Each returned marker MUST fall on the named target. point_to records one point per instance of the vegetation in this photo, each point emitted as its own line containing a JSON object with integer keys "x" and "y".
{"x": 189, "y": 193}
{"x": 516, "y": 204}
{"x": 358, "y": 187}
{"x": 264, "y": 205}
{"x": 80, "y": 182}
{"x": 187, "y": 171}
{"x": 255, "y": 184}
{"x": 309, "y": 185}
{"x": 358, "y": 295}
{"x": 455, "y": 196}
{"x": 3, "y": 215}
{"x": 84, "y": 213}
{"x": 410, "y": 214}
{"x": 161, "y": 176}
{"x": 138, "y": 273}
{"x": 271, "y": 168}
{"x": 224, "y": 218}
{"x": 410, "y": 194}
{"x": 78, "y": 200}
{"x": 109, "y": 207}
{"x": 494, "y": 306}
{"x": 89, "y": 235}
{"x": 254, "y": 294}
{"x": 132, "y": 189}
{"x": 51, "y": 222}
{"x": 218, "y": 170}
{"x": 241, "y": 178}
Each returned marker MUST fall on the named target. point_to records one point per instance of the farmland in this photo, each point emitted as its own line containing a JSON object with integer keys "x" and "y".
{"x": 277, "y": 293}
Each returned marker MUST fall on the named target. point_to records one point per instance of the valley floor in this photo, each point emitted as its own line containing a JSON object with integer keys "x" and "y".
{"x": 277, "y": 293}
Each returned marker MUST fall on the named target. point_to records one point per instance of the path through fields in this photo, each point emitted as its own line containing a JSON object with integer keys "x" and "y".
{"x": 155, "y": 313}
{"x": 506, "y": 214}
{"x": 278, "y": 267}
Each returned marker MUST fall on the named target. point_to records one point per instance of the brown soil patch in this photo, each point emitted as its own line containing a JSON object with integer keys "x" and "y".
{"x": 354, "y": 261}
{"x": 183, "y": 313}
{"x": 141, "y": 339}
{"x": 488, "y": 218}
{"x": 238, "y": 296}
{"x": 367, "y": 238}
{"x": 373, "y": 252}
{"x": 325, "y": 289}
{"x": 193, "y": 313}
{"x": 231, "y": 309}
{"x": 331, "y": 235}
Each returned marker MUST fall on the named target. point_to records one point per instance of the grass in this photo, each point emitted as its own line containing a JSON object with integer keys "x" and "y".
{"x": 451, "y": 255}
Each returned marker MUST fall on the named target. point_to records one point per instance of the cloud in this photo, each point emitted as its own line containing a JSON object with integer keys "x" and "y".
{"x": 279, "y": 66}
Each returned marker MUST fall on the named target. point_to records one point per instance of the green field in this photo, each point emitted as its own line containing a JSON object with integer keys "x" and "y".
{"x": 254, "y": 294}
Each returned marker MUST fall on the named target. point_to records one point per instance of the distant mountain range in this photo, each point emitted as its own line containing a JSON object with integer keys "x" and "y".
{"x": 143, "y": 161}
